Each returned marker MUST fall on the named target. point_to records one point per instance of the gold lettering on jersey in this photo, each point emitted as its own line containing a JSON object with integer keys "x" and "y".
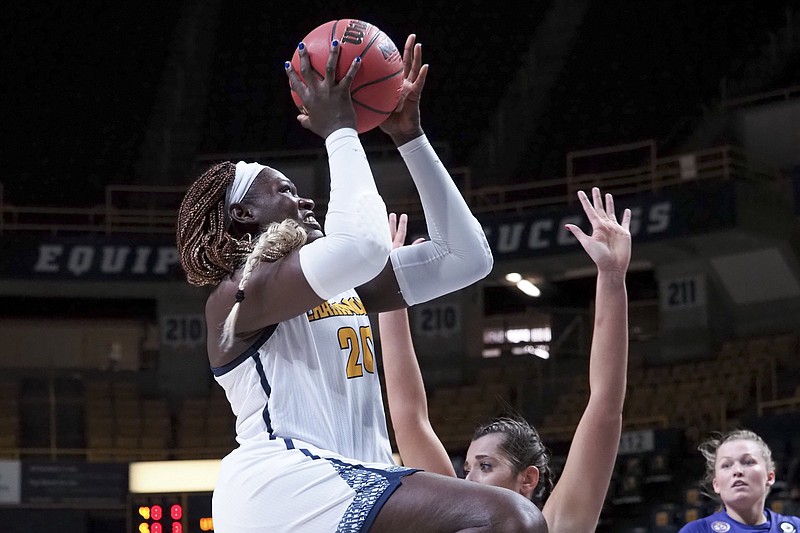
{"x": 359, "y": 349}
{"x": 344, "y": 307}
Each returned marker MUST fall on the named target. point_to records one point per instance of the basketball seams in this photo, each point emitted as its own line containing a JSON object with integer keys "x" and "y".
{"x": 371, "y": 42}
{"x": 372, "y": 109}
{"x": 332, "y": 36}
{"x": 354, "y": 90}
{"x": 373, "y": 82}
{"x": 363, "y": 53}
{"x": 367, "y": 95}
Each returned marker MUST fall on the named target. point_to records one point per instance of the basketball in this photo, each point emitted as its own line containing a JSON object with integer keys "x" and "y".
{"x": 376, "y": 87}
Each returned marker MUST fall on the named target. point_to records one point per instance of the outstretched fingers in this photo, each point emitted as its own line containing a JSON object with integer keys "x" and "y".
{"x": 610, "y": 207}
{"x": 330, "y": 69}
{"x": 398, "y": 227}
{"x": 419, "y": 82}
{"x": 299, "y": 83}
{"x": 599, "y": 211}
{"x": 412, "y": 58}
{"x": 408, "y": 56}
{"x": 577, "y": 232}
{"x": 589, "y": 209}
{"x": 325, "y": 102}
{"x": 597, "y": 199}
{"x": 347, "y": 80}
{"x": 330, "y": 65}
{"x": 626, "y": 220}
{"x": 590, "y": 213}
{"x": 296, "y": 83}
{"x": 416, "y": 63}
{"x": 309, "y": 78}
{"x": 605, "y": 211}
{"x": 608, "y": 245}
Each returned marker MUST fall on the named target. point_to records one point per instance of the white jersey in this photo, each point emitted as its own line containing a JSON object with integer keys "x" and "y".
{"x": 312, "y": 378}
{"x": 311, "y": 428}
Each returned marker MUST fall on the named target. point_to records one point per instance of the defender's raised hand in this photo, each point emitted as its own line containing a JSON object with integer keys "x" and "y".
{"x": 398, "y": 228}
{"x": 609, "y": 245}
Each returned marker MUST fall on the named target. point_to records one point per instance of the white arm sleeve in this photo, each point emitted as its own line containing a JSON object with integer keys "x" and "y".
{"x": 357, "y": 242}
{"x": 457, "y": 253}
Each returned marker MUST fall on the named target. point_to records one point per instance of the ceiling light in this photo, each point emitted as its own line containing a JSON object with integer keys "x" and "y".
{"x": 541, "y": 353}
{"x": 528, "y": 288}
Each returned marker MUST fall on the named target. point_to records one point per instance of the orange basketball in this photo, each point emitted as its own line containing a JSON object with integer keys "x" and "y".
{"x": 377, "y": 84}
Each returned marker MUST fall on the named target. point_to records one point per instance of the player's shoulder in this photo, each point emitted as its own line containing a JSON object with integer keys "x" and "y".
{"x": 784, "y": 523}
{"x": 695, "y": 526}
{"x": 714, "y": 523}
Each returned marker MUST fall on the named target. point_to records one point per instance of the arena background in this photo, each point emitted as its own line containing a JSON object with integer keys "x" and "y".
{"x": 689, "y": 112}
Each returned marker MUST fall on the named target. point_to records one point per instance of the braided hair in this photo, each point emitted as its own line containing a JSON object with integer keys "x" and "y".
{"x": 523, "y": 447}
{"x": 209, "y": 253}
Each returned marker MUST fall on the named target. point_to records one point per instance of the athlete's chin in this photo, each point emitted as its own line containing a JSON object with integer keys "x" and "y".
{"x": 312, "y": 234}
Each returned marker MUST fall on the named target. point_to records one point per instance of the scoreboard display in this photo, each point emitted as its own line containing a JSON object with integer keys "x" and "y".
{"x": 170, "y": 513}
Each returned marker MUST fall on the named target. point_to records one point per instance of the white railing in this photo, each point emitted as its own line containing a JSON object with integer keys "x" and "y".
{"x": 156, "y": 206}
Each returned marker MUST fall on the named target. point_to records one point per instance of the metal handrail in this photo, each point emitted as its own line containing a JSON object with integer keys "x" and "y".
{"x": 722, "y": 162}
{"x": 786, "y": 93}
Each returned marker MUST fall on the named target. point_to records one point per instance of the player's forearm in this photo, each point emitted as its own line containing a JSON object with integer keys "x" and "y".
{"x": 357, "y": 241}
{"x": 405, "y": 389}
{"x": 608, "y": 362}
{"x": 577, "y": 500}
{"x": 457, "y": 253}
{"x": 417, "y": 442}
{"x": 424, "y": 450}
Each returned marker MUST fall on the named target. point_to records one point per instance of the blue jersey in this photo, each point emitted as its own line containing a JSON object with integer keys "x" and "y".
{"x": 721, "y": 522}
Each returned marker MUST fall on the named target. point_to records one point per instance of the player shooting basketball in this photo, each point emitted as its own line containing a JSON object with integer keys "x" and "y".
{"x": 290, "y": 341}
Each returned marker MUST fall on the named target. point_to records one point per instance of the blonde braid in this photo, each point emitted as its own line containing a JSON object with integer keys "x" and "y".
{"x": 278, "y": 240}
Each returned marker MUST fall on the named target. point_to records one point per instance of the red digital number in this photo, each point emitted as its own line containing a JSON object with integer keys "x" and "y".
{"x": 156, "y": 528}
{"x": 176, "y": 512}
{"x": 156, "y": 512}
{"x": 177, "y": 527}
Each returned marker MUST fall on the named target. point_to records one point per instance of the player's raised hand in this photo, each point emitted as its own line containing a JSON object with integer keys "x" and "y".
{"x": 327, "y": 104}
{"x": 609, "y": 245}
{"x": 404, "y": 123}
{"x": 398, "y": 228}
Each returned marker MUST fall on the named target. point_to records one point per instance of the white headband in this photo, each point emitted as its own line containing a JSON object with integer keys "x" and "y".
{"x": 245, "y": 175}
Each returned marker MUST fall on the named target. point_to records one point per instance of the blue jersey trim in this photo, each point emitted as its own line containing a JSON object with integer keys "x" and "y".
{"x": 309, "y": 454}
{"x": 262, "y": 376}
{"x": 395, "y": 480}
{"x": 250, "y": 352}
{"x": 385, "y": 480}
{"x": 775, "y": 523}
{"x": 372, "y": 487}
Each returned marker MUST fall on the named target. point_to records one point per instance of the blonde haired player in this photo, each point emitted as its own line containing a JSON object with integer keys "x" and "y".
{"x": 740, "y": 473}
